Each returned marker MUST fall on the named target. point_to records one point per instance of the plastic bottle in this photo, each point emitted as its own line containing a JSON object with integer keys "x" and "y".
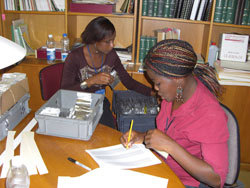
{"x": 65, "y": 46}
{"x": 51, "y": 50}
{"x": 212, "y": 55}
{"x": 17, "y": 176}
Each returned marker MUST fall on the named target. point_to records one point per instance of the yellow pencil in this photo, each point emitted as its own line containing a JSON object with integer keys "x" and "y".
{"x": 130, "y": 131}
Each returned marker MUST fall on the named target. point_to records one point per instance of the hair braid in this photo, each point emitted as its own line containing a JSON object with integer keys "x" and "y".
{"x": 176, "y": 58}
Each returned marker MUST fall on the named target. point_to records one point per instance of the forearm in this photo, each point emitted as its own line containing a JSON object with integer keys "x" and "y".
{"x": 197, "y": 168}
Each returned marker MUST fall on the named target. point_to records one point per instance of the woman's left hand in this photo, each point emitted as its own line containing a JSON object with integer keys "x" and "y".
{"x": 158, "y": 140}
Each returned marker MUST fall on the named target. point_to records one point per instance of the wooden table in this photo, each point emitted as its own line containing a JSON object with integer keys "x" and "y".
{"x": 56, "y": 150}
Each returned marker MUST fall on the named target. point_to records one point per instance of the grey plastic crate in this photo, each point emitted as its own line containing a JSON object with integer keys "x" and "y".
{"x": 65, "y": 127}
{"x": 142, "y": 122}
{"x": 10, "y": 119}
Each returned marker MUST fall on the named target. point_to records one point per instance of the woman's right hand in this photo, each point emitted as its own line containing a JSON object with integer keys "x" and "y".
{"x": 100, "y": 79}
{"x": 136, "y": 138}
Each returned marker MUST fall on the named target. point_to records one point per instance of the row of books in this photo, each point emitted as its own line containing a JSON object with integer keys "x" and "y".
{"x": 20, "y": 35}
{"x": 232, "y": 12}
{"x": 128, "y": 6}
{"x": 184, "y": 9}
{"x": 147, "y": 42}
{"x": 35, "y": 5}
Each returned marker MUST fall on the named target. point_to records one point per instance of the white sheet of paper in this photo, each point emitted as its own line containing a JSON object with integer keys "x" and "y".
{"x": 112, "y": 178}
{"x": 17, "y": 140}
{"x": 119, "y": 157}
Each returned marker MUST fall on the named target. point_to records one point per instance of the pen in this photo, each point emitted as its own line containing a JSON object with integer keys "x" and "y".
{"x": 78, "y": 163}
{"x": 130, "y": 130}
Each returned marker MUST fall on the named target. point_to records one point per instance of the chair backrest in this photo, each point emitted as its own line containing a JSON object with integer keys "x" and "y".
{"x": 233, "y": 147}
{"x": 50, "y": 80}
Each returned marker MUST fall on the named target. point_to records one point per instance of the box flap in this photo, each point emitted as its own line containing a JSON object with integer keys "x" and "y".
{"x": 12, "y": 95}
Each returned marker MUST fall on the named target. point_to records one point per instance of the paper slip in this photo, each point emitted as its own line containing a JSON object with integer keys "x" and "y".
{"x": 112, "y": 178}
{"x": 119, "y": 157}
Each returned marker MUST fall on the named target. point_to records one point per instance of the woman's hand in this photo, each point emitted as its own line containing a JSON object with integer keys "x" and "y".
{"x": 158, "y": 140}
{"x": 100, "y": 79}
{"x": 136, "y": 138}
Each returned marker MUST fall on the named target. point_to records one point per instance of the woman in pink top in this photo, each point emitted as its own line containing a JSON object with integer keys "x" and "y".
{"x": 191, "y": 125}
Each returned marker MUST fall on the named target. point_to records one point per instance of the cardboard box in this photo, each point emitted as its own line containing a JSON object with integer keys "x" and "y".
{"x": 234, "y": 47}
{"x": 13, "y": 94}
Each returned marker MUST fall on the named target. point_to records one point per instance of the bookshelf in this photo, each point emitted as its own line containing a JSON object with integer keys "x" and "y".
{"x": 198, "y": 33}
{"x": 42, "y": 23}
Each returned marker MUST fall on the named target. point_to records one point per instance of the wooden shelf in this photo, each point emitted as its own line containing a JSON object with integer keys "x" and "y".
{"x": 34, "y": 12}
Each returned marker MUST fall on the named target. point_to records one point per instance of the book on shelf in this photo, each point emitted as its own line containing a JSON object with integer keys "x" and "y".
{"x": 208, "y": 10}
{"x": 204, "y": 10}
{"x": 201, "y": 8}
{"x": 239, "y": 12}
{"x": 172, "y": 8}
{"x": 194, "y": 9}
{"x": 150, "y": 8}
{"x": 159, "y": 8}
{"x": 167, "y": 33}
{"x": 144, "y": 7}
{"x": 127, "y": 6}
{"x": 183, "y": 10}
{"x": 218, "y": 10}
{"x": 231, "y": 8}
{"x": 188, "y": 9}
{"x": 179, "y": 8}
{"x": 241, "y": 66}
{"x": 175, "y": 9}
{"x": 20, "y": 35}
{"x": 224, "y": 11}
{"x": 246, "y": 13}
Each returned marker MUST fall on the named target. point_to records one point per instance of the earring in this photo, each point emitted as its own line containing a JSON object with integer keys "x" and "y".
{"x": 179, "y": 94}
{"x": 96, "y": 51}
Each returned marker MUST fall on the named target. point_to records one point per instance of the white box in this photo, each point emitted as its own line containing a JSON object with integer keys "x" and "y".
{"x": 234, "y": 47}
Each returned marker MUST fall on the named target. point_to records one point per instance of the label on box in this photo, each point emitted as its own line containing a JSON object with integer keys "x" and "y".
{"x": 234, "y": 47}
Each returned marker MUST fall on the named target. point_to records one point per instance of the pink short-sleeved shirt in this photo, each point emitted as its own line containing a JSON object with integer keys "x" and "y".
{"x": 200, "y": 126}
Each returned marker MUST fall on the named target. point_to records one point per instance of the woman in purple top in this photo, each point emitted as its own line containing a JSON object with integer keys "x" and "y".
{"x": 88, "y": 68}
{"x": 191, "y": 125}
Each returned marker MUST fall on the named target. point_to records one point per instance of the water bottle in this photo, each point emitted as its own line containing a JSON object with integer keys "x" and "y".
{"x": 17, "y": 176}
{"x": 65, "y": 46}
{"x": 51, "y": 50}
{"x": 212, "y": 55}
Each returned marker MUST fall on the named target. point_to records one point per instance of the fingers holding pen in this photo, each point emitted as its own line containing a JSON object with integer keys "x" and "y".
{"x": 136, "y": 138}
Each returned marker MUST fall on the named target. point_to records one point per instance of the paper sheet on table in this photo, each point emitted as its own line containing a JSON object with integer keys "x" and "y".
{"x": 112, "y": 178}
{"x": 119, "y": 157}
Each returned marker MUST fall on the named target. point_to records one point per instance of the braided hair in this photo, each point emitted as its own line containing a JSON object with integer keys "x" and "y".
{"x": 176, "y": 59}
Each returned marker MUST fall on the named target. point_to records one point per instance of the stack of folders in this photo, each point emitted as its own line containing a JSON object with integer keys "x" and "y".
{"x": 233, "y": 73}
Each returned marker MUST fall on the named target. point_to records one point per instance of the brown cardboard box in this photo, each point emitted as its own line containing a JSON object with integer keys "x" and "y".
{"x": 12, "y": 95}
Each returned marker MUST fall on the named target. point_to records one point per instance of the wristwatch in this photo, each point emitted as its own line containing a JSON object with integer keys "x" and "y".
{"x": 84, "y": 85}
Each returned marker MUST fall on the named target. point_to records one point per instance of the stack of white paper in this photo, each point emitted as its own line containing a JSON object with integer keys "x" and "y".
{"x": 112, "y": 178}
{"x": 119, "y": 157}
